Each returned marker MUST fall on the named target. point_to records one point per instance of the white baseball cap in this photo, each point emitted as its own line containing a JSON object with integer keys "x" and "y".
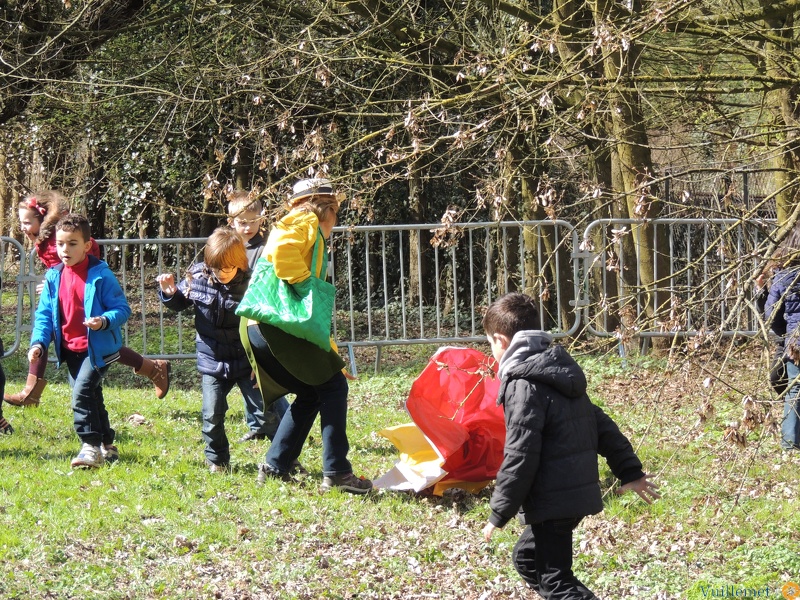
{"x": 310, "y": 187}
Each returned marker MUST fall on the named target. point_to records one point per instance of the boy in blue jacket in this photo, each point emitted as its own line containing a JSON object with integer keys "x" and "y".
{"x": 549, "y": 474}
{"x": 82, "y": 309}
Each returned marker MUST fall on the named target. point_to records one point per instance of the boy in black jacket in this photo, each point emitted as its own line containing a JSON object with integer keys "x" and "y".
{"x": 554, "y": 433}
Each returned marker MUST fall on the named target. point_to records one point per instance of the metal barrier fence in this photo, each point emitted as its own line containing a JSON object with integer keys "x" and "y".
{"x": 412, "y": 284}
{"x": 395, "y": 287}
{"x": 704, "y": 281}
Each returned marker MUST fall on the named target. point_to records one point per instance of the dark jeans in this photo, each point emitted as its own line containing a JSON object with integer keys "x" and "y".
{"x": 2, "y": 382}
{"x": 790, "y": 427}
{"x": 329, "y": 400}
{"x": 88, "y": 406}
{"x": 259, "y": 419}
{"x": 543, "y": 558}
{"x": 215, "y": 405}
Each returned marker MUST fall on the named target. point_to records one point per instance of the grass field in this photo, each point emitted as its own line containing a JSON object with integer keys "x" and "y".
{"x": 158, "y": 525}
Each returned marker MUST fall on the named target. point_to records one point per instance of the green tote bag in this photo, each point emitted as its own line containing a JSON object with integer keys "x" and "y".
{"x": 303, "y": 309}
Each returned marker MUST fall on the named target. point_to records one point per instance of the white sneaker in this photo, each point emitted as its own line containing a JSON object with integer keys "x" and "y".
{"x": 88, "y": 458}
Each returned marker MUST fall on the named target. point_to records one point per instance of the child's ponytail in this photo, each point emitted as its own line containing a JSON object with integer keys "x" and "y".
{"x": 49, "y": 206}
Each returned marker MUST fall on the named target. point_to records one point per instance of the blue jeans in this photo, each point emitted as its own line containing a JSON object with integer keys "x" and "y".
{"x": 790, "y": 427}
{"x": 543, "y": 558}
{"x": 2, "y": 382}
{"x": 89, "y": 412}
{"x": 259, "y": 420}
{"x": 215, "y": 405}
{"x": 328, "y": 400}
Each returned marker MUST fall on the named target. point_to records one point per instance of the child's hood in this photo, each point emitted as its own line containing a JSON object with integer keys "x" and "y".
{"x": 531, "y": 355}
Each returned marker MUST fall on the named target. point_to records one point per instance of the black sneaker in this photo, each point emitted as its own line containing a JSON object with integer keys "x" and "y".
{"x": 347, "y": 483}
{"x": 252, "y": 436}
{"x": 110, "y": 453}
{"x": 5, "y": 427}
{"x": 266, "y": 472}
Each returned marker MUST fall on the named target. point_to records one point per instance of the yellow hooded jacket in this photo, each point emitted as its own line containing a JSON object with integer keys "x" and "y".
{"x": 290, "y": 245}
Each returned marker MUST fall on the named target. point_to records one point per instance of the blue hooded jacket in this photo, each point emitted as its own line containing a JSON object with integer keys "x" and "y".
{"x": 103, "y": 297}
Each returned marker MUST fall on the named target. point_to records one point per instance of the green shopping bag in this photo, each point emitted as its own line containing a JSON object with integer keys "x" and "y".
{"x": 303, "y": 309}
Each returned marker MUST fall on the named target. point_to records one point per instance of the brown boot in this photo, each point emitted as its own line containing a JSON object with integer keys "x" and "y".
{"x": 156, "y": 371}
{"x": 29, "y": 396}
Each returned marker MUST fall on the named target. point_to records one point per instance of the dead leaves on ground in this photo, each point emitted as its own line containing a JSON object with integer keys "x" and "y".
{"x": 728, "y": 395}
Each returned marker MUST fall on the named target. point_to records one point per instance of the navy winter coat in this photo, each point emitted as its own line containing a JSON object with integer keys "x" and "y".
{"x": 553, "y": 436}
{"x": 783, "y": 304}
{"x": 219, "y": 349}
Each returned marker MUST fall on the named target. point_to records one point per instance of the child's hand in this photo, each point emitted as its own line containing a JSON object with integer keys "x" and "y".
{"x": 94, "y": 323}
{"x": 39, "y": 288}
{"x": 646, "y": 489}
{"x": 34, "y": 353}
{"x": 167, "y": 283}
{"x": 488, "y": 530}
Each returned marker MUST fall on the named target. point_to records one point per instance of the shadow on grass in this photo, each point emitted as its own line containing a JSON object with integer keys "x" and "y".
{"x": 375, "y": 450}
{"x": 185, "y": 415}
{"x": 454, "y": 499}
{"x": 34, "y": 453}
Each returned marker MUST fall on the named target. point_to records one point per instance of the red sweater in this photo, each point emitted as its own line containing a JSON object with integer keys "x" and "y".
{"x": 71, "y": 294}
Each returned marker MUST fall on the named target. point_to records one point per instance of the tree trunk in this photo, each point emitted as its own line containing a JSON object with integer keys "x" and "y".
{"x": 555, "y": 277}
{"x": 783, "y": 103}
{"x": 6, "y": 199}
{"x": 631, "y": 170}
{"x": 418, "y": 267}
{"x": 7, "y": 219}
{"x": 243, "y": 169}
{"x": 604, "y": 282}
{"x": 507, "y": 240}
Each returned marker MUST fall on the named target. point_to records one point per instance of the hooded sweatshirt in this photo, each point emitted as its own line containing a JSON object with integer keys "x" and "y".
{"x": 553, "y": 437}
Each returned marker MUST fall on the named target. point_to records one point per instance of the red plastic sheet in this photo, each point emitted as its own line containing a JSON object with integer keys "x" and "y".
{"x": 454, "y": 403}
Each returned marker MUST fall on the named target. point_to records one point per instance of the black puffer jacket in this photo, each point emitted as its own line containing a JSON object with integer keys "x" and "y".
{"x": 553, "y": 436}
{"x": 219, "y": 349}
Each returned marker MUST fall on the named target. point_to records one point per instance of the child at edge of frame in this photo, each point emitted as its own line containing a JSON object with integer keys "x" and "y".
{"x": 246, "y": 216}
{"x": 81, "y": 310}
{"x": 549, "y": 476}
{"x": 5, "y": 426}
